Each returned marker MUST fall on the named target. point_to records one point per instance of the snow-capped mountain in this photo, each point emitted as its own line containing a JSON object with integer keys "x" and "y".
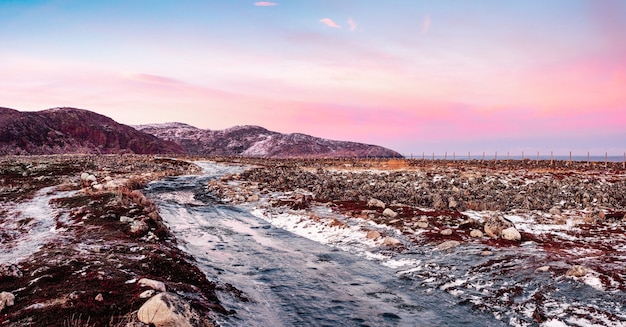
{"x": 259, "y": 142}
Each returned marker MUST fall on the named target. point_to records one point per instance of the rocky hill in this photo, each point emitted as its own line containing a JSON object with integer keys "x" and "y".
{"x": 257, "y": 141}
{"x": 70, "y": 130}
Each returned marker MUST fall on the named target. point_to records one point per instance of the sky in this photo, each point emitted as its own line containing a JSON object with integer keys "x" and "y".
{"x": 417, "y": 76}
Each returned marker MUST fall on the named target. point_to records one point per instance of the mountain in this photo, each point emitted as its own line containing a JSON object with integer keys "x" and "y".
{"x": 70, "y": 130}
{"x": 259, "y": 142}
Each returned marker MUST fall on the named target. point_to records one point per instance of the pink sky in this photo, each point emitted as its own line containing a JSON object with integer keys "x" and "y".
{"x": 413, "y": 77}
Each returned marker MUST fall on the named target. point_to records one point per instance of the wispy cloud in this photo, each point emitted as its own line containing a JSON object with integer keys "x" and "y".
{"x": 426, "y": 24}
{"x": 265, "y": 4}
{"x": 352, "y": 24}
{"x": 329, "y": 22}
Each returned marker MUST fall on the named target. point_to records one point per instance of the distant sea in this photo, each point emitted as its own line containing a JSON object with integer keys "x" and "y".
{"x": 492, "y": 156}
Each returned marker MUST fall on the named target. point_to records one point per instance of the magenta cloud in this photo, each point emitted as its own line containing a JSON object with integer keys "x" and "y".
{"x": 329, "y": 22}
{"x": 265, "y": 4}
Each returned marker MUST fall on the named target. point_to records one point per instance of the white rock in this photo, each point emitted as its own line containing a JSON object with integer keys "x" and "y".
{"x": 84, "y": 176}
{"x": 125, "y": 219}
{"x": 372, "y": 235}
{"x": 99, "y": 297}
{"x": 138, "y": 226}
{"x": 476, "y": 233}
{"x": 390, "y": 213}
{"x": 166, "y": 310}
{"x": 511, "y": 234}
{"x": 376, "y": 203}
{"x": 390, "y": 241}
{"x": 97, "y": 187}
{"x": 446, "y": 232}
{"x": 153, "y": 284}
{"x": 6, "y": 300}
{"x": 448, "y": 245}
{"x": 543, "y": 269}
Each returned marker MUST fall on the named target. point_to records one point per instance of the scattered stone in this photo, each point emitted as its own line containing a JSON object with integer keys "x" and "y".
{"x": 577, "y": 271}
{"x": 390, "y": 241}
{"x": 373, "y": 235}
{"x": 138, "y": 226}
{"x": 446, "y": 232}
{"x": 167, "y": 310}
{"x": 99, "y": 297}
{"x": 555, "y": 211}
{"x": 97, "y": 187}
{"x": 375, "y": 203}
{"x": 421, "y": 224}
{"x": 9, "y": 270}
{"x": 253, "y": 198}
{"x": 390, "y": 213}
{"x": 486, "y": 253}
{"x": 476, "y": 233}
{"x": 494, "y": 225}
{"x": 452, "y": 204}
{"x": 153, "y": 284}
{"x": 127, "y": 220}
{"x": 543, "y": 269}
{"x": 448, "y": 245}
{"x": 511, "y": 234}
{"x": 6, "y": 300}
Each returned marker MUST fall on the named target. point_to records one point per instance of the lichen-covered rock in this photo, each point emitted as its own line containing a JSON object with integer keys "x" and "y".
{"x": 448, "y": 245}
{"x": 577, "y": 271}
{"x": 376, "y": 203}
{"x": 511, "y": 234}
{"x": 168, "y": 310}
{"x": 6, "y": 300}
{"x": 390, "y": 213}
{"x": 494, "y": 226}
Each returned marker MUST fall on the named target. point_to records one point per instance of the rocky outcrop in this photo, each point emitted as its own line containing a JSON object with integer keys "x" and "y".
{"x": 256, "y": 141}
{"x": 169, "y": 310}
{"x": 70, "y": 130}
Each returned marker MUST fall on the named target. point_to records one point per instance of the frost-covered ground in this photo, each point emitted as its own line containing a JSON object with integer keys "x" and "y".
{"x": 566, "y": 270}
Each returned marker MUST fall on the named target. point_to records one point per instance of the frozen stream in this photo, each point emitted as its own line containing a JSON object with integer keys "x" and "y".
{"x": 290, "y": 280}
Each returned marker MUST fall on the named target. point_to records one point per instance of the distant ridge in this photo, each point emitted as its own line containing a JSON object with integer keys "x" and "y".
{"x": 256, "y": 141}
{"x": 71, "y": 130}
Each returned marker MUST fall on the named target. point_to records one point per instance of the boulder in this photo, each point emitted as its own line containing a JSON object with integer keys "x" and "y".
{"x": 138, "y": 226}
{"x": 153, "y": 284}
{"x": 375, "y": 203}
{"x": 373, "y": 235}
{"x": 167, "y": 310}
{"x": 9, "y": 270}
{"x": 6, "y": 300}
{"x": 494, "y": 225}
{"x": 446, "y": 232}
{"x": 421, "y": 224}
{"x": 577, "y": 271}
{"x": 390, "y": 241}
{"x": 476, "y": 233}
{"x": 511, "y": 234}
{"x": 390, "y": 213}
{"x": 448, "y": 245}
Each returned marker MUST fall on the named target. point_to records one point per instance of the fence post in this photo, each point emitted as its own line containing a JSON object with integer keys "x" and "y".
{"x": 445, "y": 155}
{"x": 551, "y": 159}
{"x": 606, "y": 159}
{"x": 570, "y": 158}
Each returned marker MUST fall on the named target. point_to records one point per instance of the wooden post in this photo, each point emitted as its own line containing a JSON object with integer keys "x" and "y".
{"x": 445, "y": 155}
{"x": 496, "y": 157}
{"x": 624, "y": 162}
{"x": 483, "y": 160}
{"x": 570, "y": 157}
{"x": 469, "y": 158}
{"x": 537, "y": 156}
{"x": 507, "y": 157}
{"x": 453, "y": 156}
{"x": 522, "y": 155}
{"x": 606, "y": 159}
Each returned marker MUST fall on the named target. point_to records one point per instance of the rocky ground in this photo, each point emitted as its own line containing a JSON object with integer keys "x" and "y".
{"x": 574, "y": 212}
{"x": 80, "y": 245}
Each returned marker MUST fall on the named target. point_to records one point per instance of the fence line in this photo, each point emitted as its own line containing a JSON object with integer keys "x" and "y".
{"x": 568, "y": 159}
